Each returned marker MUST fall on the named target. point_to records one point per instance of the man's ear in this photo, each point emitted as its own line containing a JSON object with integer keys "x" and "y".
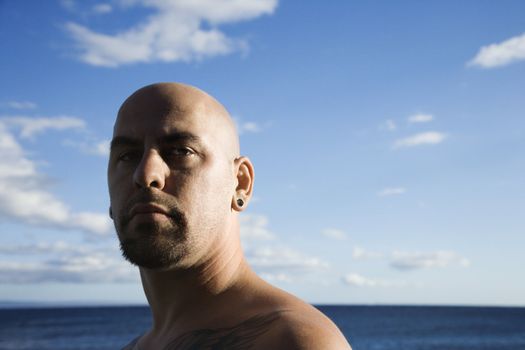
{"x": 245, "y": 176}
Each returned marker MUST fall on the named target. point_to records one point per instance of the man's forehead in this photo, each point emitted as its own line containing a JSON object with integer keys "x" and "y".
{"x": 158, "y": 113}
{"x": 164, "y": 130}
{"x": 165, "y": 109}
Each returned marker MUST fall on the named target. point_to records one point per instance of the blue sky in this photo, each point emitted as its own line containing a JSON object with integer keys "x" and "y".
{"x": 388, "y": 141}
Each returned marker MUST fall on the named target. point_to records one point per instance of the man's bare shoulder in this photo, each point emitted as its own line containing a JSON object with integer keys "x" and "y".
{"x": 280, "y": 329}
{"x": 303, "y": 328}
{"x": 268, "y": 318}
{"x": 298, "y": 325}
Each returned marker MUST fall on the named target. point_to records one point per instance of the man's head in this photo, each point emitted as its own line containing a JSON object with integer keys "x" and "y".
{"x": 175, "y": 176}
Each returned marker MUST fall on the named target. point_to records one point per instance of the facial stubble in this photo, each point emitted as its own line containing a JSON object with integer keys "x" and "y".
{"x": 153, "y": 244}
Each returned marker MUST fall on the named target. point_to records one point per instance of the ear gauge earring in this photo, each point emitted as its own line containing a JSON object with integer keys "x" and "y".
{"x": 240, "y": 202}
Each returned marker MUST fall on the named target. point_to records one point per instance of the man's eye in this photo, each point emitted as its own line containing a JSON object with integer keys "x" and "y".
{"x": 180, "y": 152}
{"x": 128, "y": 156}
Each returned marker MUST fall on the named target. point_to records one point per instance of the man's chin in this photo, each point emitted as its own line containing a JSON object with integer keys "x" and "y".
{"x": 152, "y": 228}
{"x": 151, "y": 253}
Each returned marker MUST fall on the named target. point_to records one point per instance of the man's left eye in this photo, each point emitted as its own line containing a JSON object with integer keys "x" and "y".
{"x": 181, "y": 152}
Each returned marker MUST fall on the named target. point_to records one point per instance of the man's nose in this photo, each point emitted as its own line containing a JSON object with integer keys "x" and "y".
{"x": 151, "y": 171}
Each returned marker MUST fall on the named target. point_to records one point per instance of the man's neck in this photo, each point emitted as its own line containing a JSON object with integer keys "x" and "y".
{"x": 185, "y": 298}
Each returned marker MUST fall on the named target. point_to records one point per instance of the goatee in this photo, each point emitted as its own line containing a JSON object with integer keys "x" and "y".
{"x": 152, "y": 244}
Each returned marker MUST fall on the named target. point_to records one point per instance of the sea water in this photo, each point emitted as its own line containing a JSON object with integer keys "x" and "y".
{"x": 366, "y": 327}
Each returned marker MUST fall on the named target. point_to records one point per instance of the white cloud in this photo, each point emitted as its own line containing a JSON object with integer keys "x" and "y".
{"x": 425, "y": 138}
{"x": 64, "y": 262}
{"x": 391, "y": 191}
{"x": 276, "y": 277}
{"x": 102, "y": 9}
{"x": 84, "y": 9}
{"x": 84, "y": 268}
{"x": 68, "y": 4}
{"x": 420, "y": 118}
{"x": 100, "y": 148}
{"x": 357, "y": 280}
{"x": 274, "y": 263}
{"x": 174, "y": 33}
{"x": 334, "y": 233}
{"x": 97, "y": 148}
{"x": 92, "y": 222}
{"x": 359, "y": 253}
{"x": 390, "y": 125}
{"x": 247, "y": 126}
{"x": 254, "y": 227}
{"x": 500, "y": 54}
{"x": 24, "y": 197}
{"x": 57, "y": 247}
{"x": 282, "y": 260}
{"x": 29, "y": 126}
{"x": 21, "y": 105}
{"x": 411, "y": 261}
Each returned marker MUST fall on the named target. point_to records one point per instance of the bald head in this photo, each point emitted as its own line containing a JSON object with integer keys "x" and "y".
{"x": 178, "y": 100}
{"x": 175, "y": 149}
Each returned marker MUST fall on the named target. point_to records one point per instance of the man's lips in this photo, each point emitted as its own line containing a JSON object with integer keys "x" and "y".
{"x": 148, "y": 208}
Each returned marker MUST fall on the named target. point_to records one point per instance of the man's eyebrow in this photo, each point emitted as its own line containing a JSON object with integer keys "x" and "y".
{"x": 175, "y": 137}
{"x": 178, "y": 137}
{"x": 124, "y": 141}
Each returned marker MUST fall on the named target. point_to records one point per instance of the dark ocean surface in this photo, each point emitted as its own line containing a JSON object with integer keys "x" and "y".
{"x": 367, "y": 327}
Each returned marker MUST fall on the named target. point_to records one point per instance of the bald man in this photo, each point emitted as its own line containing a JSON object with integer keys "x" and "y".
{"x": 177, "y": 184}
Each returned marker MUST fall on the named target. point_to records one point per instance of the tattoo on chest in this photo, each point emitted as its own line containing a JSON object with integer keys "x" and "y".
{"x": 239, "y": 337}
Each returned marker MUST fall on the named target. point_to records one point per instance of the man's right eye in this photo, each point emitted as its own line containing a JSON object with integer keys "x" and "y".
{"x": 128, "y": 156}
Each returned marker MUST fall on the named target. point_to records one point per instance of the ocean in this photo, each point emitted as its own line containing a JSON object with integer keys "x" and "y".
{"x": 366, "y": 327}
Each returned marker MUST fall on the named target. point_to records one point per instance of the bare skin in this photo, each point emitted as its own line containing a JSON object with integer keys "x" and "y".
{"x": 175, "y": 179}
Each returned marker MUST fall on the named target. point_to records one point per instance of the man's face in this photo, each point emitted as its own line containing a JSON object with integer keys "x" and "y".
{"x": 170, "y": 178}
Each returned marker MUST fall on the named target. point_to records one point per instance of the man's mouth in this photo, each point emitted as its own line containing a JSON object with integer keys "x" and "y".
{"x": 148, "y": 209}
